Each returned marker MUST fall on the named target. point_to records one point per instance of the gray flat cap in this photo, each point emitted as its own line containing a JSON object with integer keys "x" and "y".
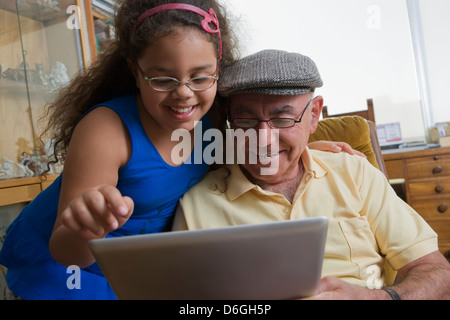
{"x": 271, "y": 72}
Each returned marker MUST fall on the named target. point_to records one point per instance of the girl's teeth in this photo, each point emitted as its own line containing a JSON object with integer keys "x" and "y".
{"x": 182, "y": 111}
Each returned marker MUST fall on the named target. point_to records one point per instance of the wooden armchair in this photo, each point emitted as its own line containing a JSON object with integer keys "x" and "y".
{"x": 368, "y": 114}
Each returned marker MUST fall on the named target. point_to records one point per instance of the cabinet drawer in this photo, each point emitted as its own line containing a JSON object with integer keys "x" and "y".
{"x": 428, "y": 187}
{"x": 19, "y": 194}
{"x": 427, "y": 167}
{"x": 435, "y": 208}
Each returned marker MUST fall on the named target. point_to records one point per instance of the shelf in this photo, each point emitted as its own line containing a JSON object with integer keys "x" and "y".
{"x": 13, "y": 195}
{"x": 100, "y": 15}
{"x": 18, "y": 182}
{"x": 20, "y": 88}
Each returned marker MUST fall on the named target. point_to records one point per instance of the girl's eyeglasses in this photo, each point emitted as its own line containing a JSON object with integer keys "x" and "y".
{"x": 168, "y": 84}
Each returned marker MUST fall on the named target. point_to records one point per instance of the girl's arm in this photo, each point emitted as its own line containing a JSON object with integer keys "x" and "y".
{"x": 90, "y": 205}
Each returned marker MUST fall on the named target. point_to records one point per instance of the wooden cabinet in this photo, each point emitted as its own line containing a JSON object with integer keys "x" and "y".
{"x": 16, "y": 191}
{"x": 427, "y": 185}
{"x": 41, "y": 49}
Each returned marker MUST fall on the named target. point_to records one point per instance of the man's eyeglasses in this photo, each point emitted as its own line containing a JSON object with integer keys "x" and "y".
{"x": 168, "y": 84}
{"x": 276, "y": 123}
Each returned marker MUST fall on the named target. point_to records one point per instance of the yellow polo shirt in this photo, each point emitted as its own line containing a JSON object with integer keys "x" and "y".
{"x": 368, "y": 223}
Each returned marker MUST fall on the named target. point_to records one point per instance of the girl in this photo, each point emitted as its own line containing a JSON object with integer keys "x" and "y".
{"x": 113, "y": 128}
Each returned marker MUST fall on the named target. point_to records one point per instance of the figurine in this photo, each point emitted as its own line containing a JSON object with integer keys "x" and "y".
{"x": 40, "y": 74}
{"x": 25, "y": 158}
{"x": 2, "y": 173}
{"x": 23, "y": 171}
{"x": 8, "y": 169}
{"x": 59, "y": 74}
{"x": 14, "y": 74}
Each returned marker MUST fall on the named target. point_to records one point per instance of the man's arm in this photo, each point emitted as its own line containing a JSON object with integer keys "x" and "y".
{"x": 427, "y": 278}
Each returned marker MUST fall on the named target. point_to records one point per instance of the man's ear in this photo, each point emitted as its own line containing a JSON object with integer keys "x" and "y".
{"x": 316, "y": 111}
{"x": 133, "y": 70}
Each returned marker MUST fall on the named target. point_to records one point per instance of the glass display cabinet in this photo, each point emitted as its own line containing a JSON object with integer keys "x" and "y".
{"x": 40, "y": 51}
{"x": 43, "y": 44}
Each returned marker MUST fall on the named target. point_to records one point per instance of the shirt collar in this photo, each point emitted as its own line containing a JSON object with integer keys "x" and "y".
{"x": 313, "y": 165}
{"x": 238, "y": 184}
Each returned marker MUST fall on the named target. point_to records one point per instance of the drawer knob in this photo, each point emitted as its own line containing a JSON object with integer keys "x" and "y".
{"x": 442, "y": 208}
{"x": 437, "y": 170}
{"x": 439, "y": 188}
{"x": 436, "y": 158}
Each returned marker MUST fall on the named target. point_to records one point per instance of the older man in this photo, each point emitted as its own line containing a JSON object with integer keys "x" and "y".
{"x": 272, "y": 92}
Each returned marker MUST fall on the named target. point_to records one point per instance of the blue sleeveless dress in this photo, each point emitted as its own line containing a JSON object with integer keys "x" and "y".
{"x": 155, "y": 188}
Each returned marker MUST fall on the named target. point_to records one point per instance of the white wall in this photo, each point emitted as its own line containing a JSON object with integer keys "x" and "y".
{"x": 436, "y": 36}
{"x": 363, "y": 49}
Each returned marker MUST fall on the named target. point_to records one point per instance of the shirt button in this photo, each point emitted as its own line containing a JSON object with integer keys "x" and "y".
{"x": 286, "y": 210}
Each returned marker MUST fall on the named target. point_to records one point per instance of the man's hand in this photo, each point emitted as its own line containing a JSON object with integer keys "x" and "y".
{"x": 335, "y": 289}
{"x": 427, "y": 278}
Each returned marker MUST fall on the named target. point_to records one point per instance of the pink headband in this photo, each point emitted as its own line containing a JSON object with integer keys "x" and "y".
{"x": 209, "y": 18}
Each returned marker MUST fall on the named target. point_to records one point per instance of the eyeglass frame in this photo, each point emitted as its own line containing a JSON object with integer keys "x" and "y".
{"x": 269, "y": 121}
{"x": 187, "y": 83}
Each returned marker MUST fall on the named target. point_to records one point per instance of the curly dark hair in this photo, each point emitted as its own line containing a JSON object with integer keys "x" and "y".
{"x": 111, "y": 76}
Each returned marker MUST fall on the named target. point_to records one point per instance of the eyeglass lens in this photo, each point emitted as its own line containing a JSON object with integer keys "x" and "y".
{"x": 169, "y": 84}
{"x": 280, "y": 123}
{"x": 274, "y": 123}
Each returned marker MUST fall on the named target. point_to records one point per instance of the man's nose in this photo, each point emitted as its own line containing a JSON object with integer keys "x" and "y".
{"x": 266, "y": 135}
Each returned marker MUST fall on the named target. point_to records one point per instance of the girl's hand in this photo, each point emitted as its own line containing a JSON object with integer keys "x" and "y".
{"x": 332, "y": 146}
{"x": 97, "y": 212}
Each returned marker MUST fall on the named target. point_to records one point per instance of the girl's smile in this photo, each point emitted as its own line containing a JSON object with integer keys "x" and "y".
{"x": 183, "y": 112}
